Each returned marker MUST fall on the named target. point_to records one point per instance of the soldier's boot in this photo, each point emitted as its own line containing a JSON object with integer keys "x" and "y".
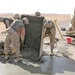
{"x": 21, "y": 56}
{"x": 6, "y": 56}
{"x": 51, "y": 52}
{"x": 18, "y": 59}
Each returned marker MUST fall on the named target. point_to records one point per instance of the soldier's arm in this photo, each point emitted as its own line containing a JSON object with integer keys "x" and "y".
{"x": 7, "y": 23}
{"x": 44, "y": 33}
{"x": 53, "y": 31}
{"x": 4, "y": 32}
{"x": 72, "y": 20}
{"x": 23, "y": 34}
{"x": 70, "y": 29}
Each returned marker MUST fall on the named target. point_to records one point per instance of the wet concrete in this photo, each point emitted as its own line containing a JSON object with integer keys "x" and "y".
{"x": 56, "y": 65}
{"x": 51, "y": 65}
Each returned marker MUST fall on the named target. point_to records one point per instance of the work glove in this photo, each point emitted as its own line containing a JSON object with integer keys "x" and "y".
{"x": 3, "y": 32}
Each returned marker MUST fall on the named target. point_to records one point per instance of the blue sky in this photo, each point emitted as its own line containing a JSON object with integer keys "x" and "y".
{"x": 31, "y": 6}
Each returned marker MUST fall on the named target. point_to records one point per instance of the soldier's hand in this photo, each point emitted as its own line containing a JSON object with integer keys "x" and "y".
{"x": 44, "y": 36}
{"x": 3, "y": 32}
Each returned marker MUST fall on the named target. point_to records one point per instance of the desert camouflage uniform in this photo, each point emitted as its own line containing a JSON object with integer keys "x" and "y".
{"x": 6, "y": 21}
{"x": 72, "y": 28}
{"x": 50, "y": 30}
{"x": 73, "y": 21}
{"x": 12, "y": 36}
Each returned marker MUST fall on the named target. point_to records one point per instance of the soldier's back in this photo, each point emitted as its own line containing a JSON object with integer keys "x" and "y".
{"x": 17, "y": 24}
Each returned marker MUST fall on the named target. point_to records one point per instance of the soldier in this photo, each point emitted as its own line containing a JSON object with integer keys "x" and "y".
{"x": 50, "y": 30}
{"x": 6, "y": 21}
{"x": 13, "y": 33}
{"x": 71, "y": 30}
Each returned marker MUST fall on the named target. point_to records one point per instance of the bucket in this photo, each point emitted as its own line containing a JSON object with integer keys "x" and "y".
{"x": 69, "y": 39}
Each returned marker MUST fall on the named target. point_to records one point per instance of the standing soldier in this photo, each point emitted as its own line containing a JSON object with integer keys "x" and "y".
{"x": 13, "y": 33}
{"x": 7, "y": 22}
{"x": 71, "y": 30}
{"x": 50, "y": 30}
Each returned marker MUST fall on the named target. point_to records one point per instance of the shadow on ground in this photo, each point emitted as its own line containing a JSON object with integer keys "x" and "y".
{"x": 50, "y": 65}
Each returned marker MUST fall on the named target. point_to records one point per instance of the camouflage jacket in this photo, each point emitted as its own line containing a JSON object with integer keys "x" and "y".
{"x": 50, "y": 28}
{"x": 19, "y": 27}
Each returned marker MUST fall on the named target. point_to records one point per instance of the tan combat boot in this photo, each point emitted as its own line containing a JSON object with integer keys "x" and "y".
{"x": 6, "y": 56}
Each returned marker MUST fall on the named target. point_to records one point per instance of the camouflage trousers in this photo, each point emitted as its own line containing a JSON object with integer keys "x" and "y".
{"x": 52, "y": 42}
{"x": 12, "y": 37}
{"x": 51, "y": 36}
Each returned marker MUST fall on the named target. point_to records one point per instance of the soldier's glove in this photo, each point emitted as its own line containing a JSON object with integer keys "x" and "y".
{"x": 3, "y": 32}
{"x": 44, "y": 36}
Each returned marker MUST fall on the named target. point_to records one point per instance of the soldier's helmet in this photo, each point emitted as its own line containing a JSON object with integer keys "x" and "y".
{"x": 37, "y": 13}
{"x": 25, "y": 19}
{"x": 16, "y": 16}
{"x": 48, "y": 24}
